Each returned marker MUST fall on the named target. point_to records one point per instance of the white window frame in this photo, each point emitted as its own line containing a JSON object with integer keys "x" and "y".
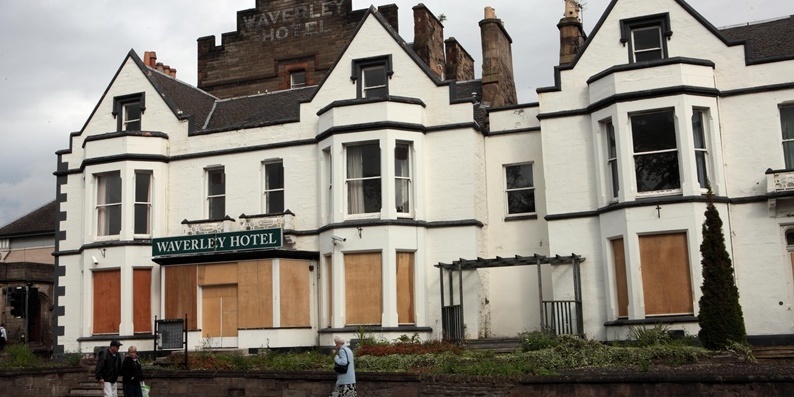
{"x": 676, "y": 150}
{"x": 513, "y": 189}
{"x": 700, "y": 143}
{"x": 106, "y": 211}
{"x": 269, "y": 191}
{"x": 787, "y": 131}
{"x": 351, "y": 178}
{"x": 613, "y": 175}
{"x": 403, "y": 195}
{"x": 292, "y": 79}
{"x": 658, "y": 48}
{"x": 209, "y": 172}
{"x": 127, "y": 120}
{"x": 366, "y": 88}
{"x": 141, "y": 202}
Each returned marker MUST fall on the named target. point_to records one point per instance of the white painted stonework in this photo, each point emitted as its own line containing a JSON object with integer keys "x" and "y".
{"x": 458, "y": 191}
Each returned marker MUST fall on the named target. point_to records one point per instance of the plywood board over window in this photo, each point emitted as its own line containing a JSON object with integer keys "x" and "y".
{"x": 363, "y": 288}
{"x": 666, "y": 280}
{"x": 107, "y": 301}
{"x": 142, "y": 300}
{"x": 405, "y": 288}
{"x": 219, "y": 311}
{"x": 294, "y": 293}
{"x": 181, "y": 294}
{"x": 621, "y": 283}
{"x": 255, "y": 289}
{"x": 217, "y": 274}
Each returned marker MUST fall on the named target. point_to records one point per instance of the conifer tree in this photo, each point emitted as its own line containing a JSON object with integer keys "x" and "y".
{"x": 720, "y": 317}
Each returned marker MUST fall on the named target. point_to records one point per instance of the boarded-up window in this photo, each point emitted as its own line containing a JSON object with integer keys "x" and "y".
{"x": 405, "y": 288}
{"x": 142, "y": 300}
{"x": 621, "y": 285}
{"x": 666, "y": 282}
{"x": 219, "y": 311}
{"x": 294, "y": 293}
{"x": 363, "y": 288}
{"x": 180, "y": 294}
{"x": 256, "y": 294}
{"x": 107, "y": 302}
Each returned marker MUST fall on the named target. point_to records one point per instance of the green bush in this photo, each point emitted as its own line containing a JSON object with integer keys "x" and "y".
{"x": 19, "y": 356}
{"x": 538, "y": 340}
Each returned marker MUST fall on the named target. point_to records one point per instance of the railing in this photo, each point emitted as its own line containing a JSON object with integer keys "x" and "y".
{"x": 452, "y": 322}
{"x": 561, "y": 317}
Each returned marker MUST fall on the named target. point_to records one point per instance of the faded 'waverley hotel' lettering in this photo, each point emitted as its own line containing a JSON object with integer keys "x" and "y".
{"x": 301, "y": 20}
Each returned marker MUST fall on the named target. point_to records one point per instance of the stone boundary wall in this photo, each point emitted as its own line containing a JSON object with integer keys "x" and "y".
{"x": 58, "y": 382}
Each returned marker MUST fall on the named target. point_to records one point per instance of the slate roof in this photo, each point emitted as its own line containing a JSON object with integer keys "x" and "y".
{"x": 40, "y": 221}
{"x": 182, "y": 96}
{"x": 258, "y": 110}
{"x": 765, "y": 40}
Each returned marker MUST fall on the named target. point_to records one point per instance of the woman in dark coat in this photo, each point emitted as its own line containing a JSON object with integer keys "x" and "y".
{"x": 131, "y": 373}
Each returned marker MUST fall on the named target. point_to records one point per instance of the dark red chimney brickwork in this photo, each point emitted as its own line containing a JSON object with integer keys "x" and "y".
{"x": 460, "y": 65}
{"x": 429, "y": 39}
{"x": 498, "y": 84}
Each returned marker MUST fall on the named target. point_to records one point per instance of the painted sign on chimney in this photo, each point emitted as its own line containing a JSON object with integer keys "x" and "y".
{"x": 295, "y": 20}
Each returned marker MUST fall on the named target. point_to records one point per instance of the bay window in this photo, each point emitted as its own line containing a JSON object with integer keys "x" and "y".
{"x": 701, "y": 153}
{"x": 143, "y": 202}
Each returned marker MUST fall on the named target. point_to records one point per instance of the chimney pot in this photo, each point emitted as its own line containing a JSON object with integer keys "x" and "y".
{"x": 490, "y": 13}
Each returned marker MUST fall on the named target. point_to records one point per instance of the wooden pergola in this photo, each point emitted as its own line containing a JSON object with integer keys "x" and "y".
{"x": 561, "y": 317}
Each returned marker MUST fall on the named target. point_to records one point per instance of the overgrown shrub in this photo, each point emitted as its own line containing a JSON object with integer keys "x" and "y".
{"x": 19, "y": 355}
{"x": 538, "y": 340}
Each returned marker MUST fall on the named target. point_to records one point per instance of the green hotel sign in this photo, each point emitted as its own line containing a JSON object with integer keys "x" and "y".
{"x": 217, "y": 242}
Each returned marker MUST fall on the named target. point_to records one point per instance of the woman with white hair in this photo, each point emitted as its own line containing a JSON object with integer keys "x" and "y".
{"x": 345, "y": 370}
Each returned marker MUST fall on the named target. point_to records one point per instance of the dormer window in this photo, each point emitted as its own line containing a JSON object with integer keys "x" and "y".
{"x": 128, "y": 111}
{"x": 645, "y": 37}
{"x": 372, "y": 76}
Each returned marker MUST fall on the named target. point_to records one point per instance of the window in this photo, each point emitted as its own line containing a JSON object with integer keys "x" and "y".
{"x": 142, "y": 300}
{"x": 143, "y": 202}
{"x": 108, "y": 204}
{"x": 363, "y": 179}
{"x": 363, "y": 288}
{"x": 402, "y": 178}
{"x": 647, "y": 43}
{"x": 787, "y": 125}
{"x": 374, "y": 81}
{"x": 655, "y": 151}
{"x": 274, "y": 187}
{"x": 405, "y": 288}
{"x": 666, "y": 283}
{"x": 216, "y": 193}
{"x": 520, "y": 189}
{"x": 612, "y": 159}
{"x": 128, "y": 110}
{"x": 372, "y": 76}
{"x": 645, "y": 37}
{"x": 297, "y": 79}
{"x": 107, "y": 302}
{"x": 701, "y": 154}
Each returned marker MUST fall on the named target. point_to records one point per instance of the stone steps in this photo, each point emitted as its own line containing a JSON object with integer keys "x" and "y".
{"x": 773, "y": 353}
{"x": 496, "y": 345}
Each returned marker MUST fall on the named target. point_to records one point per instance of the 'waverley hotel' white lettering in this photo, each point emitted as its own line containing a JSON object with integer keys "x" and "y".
{"x": 279, "y": 24}
{"x": 212, "y": 243}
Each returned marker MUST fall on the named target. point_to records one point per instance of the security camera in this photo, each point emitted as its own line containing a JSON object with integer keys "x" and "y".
{"x": 94, "y": 260}
{"x": 336, "y": 238}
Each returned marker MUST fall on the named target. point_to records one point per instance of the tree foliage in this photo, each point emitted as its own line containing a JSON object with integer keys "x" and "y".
{"x": 720, "y": 317}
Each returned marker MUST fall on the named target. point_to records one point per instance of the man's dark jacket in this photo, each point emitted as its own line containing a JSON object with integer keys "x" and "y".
{"x": 108, "y": 366}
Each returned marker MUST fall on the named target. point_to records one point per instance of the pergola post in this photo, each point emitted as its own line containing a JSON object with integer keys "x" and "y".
{"x": 538, "y": 262}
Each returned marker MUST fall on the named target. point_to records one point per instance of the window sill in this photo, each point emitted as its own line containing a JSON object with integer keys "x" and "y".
{"x": 652, "y": 320}
{"x": 511, "y": 218}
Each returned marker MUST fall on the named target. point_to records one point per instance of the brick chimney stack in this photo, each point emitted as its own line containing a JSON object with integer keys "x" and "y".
{"x": 572, "y": 34}
{"x": 460, "y": 65}
{"x": 150, "y": 60}
{"x": 429, "y": 39}
{"x": 498, "y": 83}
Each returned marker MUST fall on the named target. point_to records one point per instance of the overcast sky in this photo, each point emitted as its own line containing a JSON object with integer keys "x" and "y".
{"x": 57, "y": 57}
